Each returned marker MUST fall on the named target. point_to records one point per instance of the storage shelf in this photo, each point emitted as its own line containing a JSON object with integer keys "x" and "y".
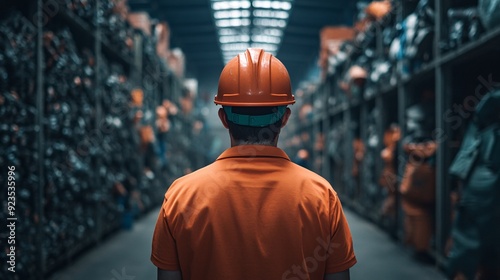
{"x": 84, "y": 29}
{"x": 318, "y": 117}
{"x": 73, "y": 21}
{"x": 387, "y": 89}
{"x": 87, "y": 35}
{"x": 339, "y": 109}
{"x": 109, "y": 51}
{"x": 442, "y": 75}
{"x": 305, "y": 125}
{"x": 355, "y": 103}
{"x": 425, "y": 73}
{"x": 472, "y": 50}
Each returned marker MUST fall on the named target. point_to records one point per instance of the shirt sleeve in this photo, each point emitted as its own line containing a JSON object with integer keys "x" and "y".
{"x": 341, "y": 252}
{"x": 164, "y": 250}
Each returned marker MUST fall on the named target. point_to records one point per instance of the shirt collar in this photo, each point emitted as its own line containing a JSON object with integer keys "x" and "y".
{"x": 250, "y": 151}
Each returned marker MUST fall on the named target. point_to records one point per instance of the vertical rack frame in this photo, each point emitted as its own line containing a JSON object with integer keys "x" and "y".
{"x": 40, "y": 198}
{"x": 443, "y": 133}
{"x": 98, "y": 115}
{"x": 326, "y": 168}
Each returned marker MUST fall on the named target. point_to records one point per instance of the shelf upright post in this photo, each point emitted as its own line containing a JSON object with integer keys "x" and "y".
{"x": 175, "y": 88}
{"x": 98, "y": 114}
{"x": 326, "y": 129}
{"x": 363, "y": 135}
{"x": 348, "y": 156}
{"x": 40, "y": 197}
{"x": 379, "y": 126}
{"x": 379, "y": 103}
{"x": 165, "y": 78}
{"x": 400, "y": 156}
{"x": 443, "y": 134}
{"x": 136, "y": 70}
{"x": 314, "y": 128}
{"x": 380, "y": 43}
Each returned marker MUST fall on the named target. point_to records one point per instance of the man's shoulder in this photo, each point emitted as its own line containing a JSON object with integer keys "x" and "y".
{"x": 311, "y": 180}
{"x": 304, "y": 173}
{"x": 194, "y": 179}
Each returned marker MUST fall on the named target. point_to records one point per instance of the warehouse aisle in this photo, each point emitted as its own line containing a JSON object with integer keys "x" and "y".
{"x": 126, "y": 256}
{"x": 379, "y": 257}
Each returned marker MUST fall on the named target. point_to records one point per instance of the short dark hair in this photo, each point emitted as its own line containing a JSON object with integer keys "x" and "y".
{"x": 252, "y": 134}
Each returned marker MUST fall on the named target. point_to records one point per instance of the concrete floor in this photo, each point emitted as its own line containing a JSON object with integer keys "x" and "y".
{"x": 125, "y": 256}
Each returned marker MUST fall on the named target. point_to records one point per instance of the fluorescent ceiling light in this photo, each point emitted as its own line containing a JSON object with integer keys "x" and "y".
{"x": 224, "y": 5}
{"x": 277, "y": 5}
{"x": 235, "y": 46}
{"x": 228, "y": 32}
{"x": 245, "y": 24}
{"x": 266, "y": 39}
{"x": 270, "y": 22}
{"x": 232, "y": 14}
{"x": 231, "y": 53}
{"x": 268, "y": 31}
{"x": 270, "y": 14}
{"x": 232, "y": 22}
{"x": 234, "y": 38}
{"x": 266, "y": 47}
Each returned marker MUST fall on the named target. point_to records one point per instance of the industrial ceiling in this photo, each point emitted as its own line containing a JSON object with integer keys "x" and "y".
{"x": 200, "y": 29}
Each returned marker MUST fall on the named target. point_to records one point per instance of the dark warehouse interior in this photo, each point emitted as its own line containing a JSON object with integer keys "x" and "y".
{"x": 107, "y": 109}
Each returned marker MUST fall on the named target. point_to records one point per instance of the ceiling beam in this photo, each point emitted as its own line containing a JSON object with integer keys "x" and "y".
{"x": 184, "y": 7}
{"x": 133, "y": 2}
{"x": 195, "y": 29}
{"x": 336, "y": 5}
{"x": 306, "y": 31}
{"x": 205, "y": 55}
{"x": 201, "y": 48}
{"x": 205, "y": 38}
{"x": 294, "y": 40}
{"x": 140, "y": 7}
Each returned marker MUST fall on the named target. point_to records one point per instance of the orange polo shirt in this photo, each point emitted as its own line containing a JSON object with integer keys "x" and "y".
{"x": 252, "y": 214}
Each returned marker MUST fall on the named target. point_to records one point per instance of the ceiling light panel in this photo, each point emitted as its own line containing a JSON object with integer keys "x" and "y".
{"x": 270, "y": 14}
{"x": 267, "y": 47}
{"x": 235, "y": 46}
{"x": 268, "y": 31}
{"x": 244, "y": 24}
{"x": 234, "y": 38}
{"x": 229, "y": 32}
{"x": 234, "y": 22}
{"x": 266, "y": 39}
{"x": 270, "y": 22}
{"x": 276, "y": 5}
{"x": 224, "y": 5}
{"x": 232, "y": 14}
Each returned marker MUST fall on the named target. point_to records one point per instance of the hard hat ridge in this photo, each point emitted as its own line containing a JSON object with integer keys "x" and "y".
{"x": 254, "y": 72}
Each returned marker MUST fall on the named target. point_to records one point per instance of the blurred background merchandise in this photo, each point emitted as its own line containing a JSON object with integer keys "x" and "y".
{"x": 91, "y": 119}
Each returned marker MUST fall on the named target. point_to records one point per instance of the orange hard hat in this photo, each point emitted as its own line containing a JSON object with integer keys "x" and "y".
{"x": 254, "y": 78}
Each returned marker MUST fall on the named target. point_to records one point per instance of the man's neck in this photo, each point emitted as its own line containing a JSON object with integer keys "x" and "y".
{"x": 235, "y": 143}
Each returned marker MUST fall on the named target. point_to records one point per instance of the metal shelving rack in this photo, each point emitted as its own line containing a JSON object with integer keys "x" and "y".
{"x": 39, "y": 200}
{"x": 441, "y": 75}
{"x": 443, "y": 156}
{"x": 170, "y": 87}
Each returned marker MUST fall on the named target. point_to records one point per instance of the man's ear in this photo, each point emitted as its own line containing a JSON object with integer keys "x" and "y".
{"x": 286, "y": 116}
{"x": 223, "y": 118}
